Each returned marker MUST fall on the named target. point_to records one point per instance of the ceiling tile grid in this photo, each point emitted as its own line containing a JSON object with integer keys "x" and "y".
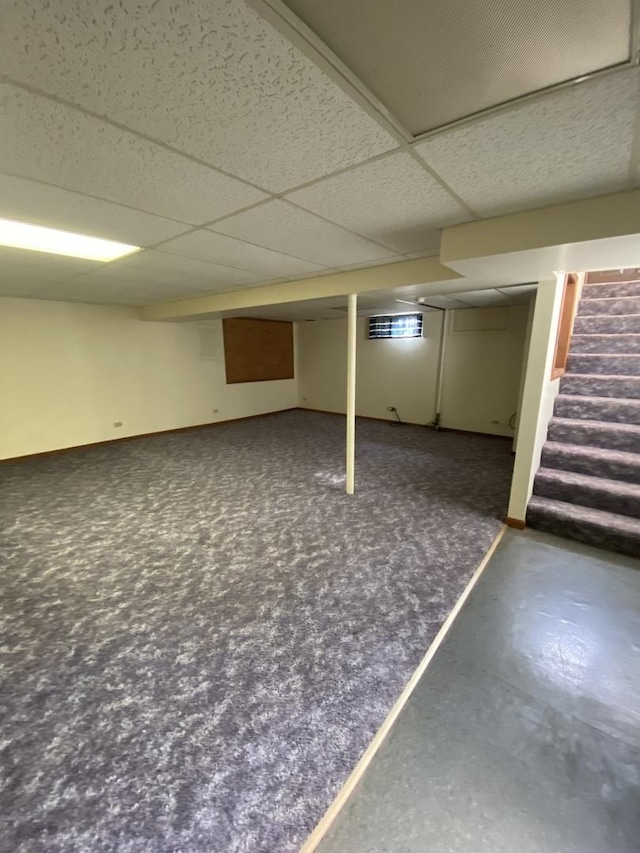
{"x": 208, "y": 77}
{"x": 50, "y": 142}
{"x": 570, "y": 143}
{"x": 431, "y": 63}
{"x": 42, "y": 204}
{"x": 282, "y": 227}
{"x": 392, "y": 200}
{"x": 218, "y": 248}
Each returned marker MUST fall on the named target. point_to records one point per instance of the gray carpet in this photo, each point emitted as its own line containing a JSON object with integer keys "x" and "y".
{"x": 201, "y": 633}
{"x": 588, "y": 485}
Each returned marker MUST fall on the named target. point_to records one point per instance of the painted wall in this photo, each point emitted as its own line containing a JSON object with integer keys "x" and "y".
{"x": 69, "y": 371}
{"x": 483, "y": 369}
{"x": 481, "y": 377}
{"x": 389, "y": 373}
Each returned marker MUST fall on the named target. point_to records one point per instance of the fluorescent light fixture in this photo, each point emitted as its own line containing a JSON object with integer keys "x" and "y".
{"x": 22, "y": 235}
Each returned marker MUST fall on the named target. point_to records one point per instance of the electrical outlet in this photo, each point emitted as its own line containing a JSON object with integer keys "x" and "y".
{"x": 117, "y": 423}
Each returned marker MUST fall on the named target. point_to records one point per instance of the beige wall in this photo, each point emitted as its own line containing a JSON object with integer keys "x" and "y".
{"x": 68, "y": 372}
{"x": 481, "y": 380}
{"x": 389, "y": 373}
{"x": 483, "y": 370}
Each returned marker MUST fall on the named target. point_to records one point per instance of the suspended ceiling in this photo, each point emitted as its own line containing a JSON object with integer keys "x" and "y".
{"x": 235, "y": 155}
{"x": 432, "y": 63}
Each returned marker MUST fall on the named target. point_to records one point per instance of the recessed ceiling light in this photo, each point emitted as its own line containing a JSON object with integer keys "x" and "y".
{"x": 22, "y": 235}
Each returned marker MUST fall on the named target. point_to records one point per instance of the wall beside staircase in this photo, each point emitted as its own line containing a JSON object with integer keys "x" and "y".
{"x": 588, "y": 485}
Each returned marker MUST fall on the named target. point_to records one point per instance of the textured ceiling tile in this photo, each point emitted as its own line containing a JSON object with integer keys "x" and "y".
{"x": 393, "y": 201}
{"x": 217, "y": 248}
{"x": 285, "y": 228}
{"x": 50, "y": 142}
{"x": 209, "y": 77}
{"x": 40, "y": 204}
{"x": 161, "y": 268}
{"x": 567, "y": 144}
{"x": 21, "y": 266}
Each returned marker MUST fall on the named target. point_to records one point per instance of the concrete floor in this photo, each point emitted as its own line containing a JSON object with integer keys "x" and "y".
{"x": 524, "y": 732}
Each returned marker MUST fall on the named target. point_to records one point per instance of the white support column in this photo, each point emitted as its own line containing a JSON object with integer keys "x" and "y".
{"x": 351, "y": 393}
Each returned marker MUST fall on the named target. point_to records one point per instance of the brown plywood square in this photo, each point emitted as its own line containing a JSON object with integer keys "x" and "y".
{"x": 257, "y": 350}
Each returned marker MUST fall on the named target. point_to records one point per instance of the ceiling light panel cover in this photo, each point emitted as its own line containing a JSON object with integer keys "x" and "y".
{"x": 211, "y": 78}
{"x": 431, "y": 63}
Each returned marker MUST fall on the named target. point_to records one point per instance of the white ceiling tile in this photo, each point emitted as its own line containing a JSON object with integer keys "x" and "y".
{"x": 284, "y": 228}
{"x": 23, "y": 269}
{"x": 566, "y": 144}
{"x": 217, "y": 248}
{"x": 393, "y": 201}
{"x": 41, "y": 204}
{"x": 209, "y": 77}
{"x": 50, "y": 142}
{"x": 158, "y": 269}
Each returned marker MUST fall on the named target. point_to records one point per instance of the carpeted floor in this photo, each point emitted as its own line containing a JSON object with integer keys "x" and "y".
{"x": 201, "y": 632}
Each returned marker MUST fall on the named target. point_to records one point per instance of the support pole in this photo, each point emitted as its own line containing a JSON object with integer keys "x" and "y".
{"x": 351, "y": 392}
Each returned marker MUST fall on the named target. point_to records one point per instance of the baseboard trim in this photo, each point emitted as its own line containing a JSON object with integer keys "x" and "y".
{"x": 407, "y": 423}
{"x": 517, "y": 523}
{"x": 326, "y": 821}
{"x": 45, "y": 453}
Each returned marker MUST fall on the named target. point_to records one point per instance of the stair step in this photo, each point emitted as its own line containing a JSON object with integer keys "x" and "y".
{"x": 599, "y": 385}
{"x": 626, "y": 344}
{"x": 609, "y": 409}
{"x": 607, "y": 324}
{"x": 615, "y": 364}
{"x": 611, "y": 290}
{"x": 585, "y": 524}
{"x": 617, "y": 306}
{"x": 593, "y": 461}
{"x": 595, "y": 434}
{"x": 583, "y": 490}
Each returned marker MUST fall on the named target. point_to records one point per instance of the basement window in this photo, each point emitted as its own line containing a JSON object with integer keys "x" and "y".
{"x": 395, "y": 326}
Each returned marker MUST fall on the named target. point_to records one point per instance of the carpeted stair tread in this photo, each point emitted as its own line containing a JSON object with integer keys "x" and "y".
{"x": 608, "y": 305}
{"x": 584, "y": 490}
{"x": 607, "y": 324}
{"x": 609, "y": 364}
{"x": 585, "y": 524}
{"x": 610, "y": 409}
{"x": 600, "y": 385}
{"x": 594, "y": 461}
{"x": 608, "y": 436}
{"x": 611, "y": 289}
{"x": 612, "y": 343}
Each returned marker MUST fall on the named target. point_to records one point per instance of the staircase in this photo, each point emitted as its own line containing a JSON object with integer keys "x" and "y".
{"x": 588, "y": 485}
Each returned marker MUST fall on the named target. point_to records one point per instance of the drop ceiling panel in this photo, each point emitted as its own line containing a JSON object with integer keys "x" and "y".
{"x": 568, "y": 144}
{"x": 25, "y": 273}
{"x": 209, "y": 77}
{"x": 217, "y": 248}
{"x": 432, "y": 63}
{"x": 50, "y": 142}
{"x": 393, "y": 201}
{"x": 152, "y": 266}
{"x": 281, "y": 226}
{"x": 40, "y": 204}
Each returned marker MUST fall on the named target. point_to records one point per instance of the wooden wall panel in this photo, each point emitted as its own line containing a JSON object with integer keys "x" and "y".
{"x": 257, "y": 350}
